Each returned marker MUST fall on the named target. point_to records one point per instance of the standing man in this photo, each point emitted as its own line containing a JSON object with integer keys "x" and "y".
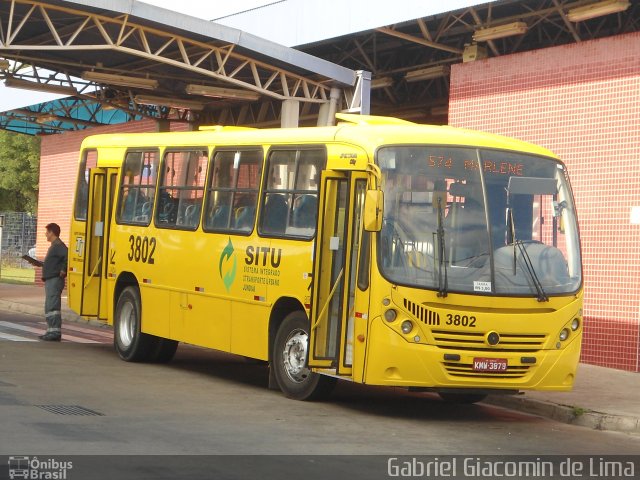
{"x": 54, "y": 270}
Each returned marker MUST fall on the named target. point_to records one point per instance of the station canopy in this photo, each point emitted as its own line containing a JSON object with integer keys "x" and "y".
{"x": 145, "y": 61}
{"x": 119, "y": 60}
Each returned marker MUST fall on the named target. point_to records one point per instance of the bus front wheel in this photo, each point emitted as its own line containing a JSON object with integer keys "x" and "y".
{"x": 131, "y": 344}
{"x": 290, "y": 352}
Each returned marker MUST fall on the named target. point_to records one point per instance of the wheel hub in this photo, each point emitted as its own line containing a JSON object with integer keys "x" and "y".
{"x": 295, "y": 356}
{"x": 126, "y": 325}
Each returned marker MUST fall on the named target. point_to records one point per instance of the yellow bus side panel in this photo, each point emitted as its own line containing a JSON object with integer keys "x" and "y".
{"x": 250, "y": 330}
{"x": 155, "y": 310}
{"x": 200, "y": 320}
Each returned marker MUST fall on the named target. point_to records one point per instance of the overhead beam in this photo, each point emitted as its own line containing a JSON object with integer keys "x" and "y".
{"x": 24, "y": 112}
{"x": 566, "y": 21}
{"x": 418, "y": 40}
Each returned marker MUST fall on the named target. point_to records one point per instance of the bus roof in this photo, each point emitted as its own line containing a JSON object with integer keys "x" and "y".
{"x": 370, "y": 132}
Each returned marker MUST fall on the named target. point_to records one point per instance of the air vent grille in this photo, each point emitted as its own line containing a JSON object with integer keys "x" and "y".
{"x": 509, "y": 342}
{"x": 426, "y": 316}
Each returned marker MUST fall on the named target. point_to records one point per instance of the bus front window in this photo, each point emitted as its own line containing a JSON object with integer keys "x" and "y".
{"x": 454, "y": 216}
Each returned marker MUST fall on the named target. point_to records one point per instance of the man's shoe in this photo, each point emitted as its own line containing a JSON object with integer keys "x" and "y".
{"x": 41, "y": 337}
{"x": 51, "y": 338}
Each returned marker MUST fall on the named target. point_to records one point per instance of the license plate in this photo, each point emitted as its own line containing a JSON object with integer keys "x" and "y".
{"x": 489, "y": 364}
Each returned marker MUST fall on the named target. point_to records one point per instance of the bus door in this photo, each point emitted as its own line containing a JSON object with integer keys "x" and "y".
{"x": 335, "y": 294}
{"x": 107, "y": 255}
{"x": 102, "y": 185}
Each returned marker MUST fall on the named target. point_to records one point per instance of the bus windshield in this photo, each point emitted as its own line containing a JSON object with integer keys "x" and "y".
{"x": 474, "y": 220}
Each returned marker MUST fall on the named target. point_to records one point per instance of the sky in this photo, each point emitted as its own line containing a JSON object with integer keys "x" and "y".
{"x": 14, "y": 98}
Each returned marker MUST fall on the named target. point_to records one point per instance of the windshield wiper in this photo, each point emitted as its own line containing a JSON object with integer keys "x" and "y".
{"x": 519, "y": 244}
{"x": 542, "y": 296}
{"x": 442, "y": 264}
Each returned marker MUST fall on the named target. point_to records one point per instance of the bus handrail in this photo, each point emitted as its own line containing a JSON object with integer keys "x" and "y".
{"x": 329, "y": 297}
{"x": 98, "y": 263}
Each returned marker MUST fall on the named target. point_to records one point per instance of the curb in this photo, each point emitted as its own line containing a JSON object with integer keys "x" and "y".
{"x": 567, "y": 414}
{"x": 67, "y": 315}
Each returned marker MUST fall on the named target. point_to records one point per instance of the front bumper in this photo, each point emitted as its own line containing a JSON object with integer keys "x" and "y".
{"x": 392, "y": 361}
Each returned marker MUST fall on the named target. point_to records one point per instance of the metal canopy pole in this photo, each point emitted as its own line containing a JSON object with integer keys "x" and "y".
{"x": 1, "y": 225}
{"x": 364, "y": 80}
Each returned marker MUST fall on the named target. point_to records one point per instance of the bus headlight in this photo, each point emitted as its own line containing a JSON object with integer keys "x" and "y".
{"x": 390, "y": 315}
{"x": 407, "y": 326}
{"x": 564, "y": 334}
{"x": 575, "y": 324}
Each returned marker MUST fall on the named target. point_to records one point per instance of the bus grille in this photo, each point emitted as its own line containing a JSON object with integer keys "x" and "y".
{"x": 475, "y": 341}
{"x": 424, "y": 315}
{"x": 466, "y": 370}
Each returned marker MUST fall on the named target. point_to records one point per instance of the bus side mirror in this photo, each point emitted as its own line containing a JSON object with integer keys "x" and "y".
{"x": 373, "y": 207}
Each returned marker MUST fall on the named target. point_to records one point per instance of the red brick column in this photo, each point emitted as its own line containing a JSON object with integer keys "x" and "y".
{"x": 583, "y": 102}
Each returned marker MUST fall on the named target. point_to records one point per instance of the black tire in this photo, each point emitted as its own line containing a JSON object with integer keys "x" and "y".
{"x": 163, "y": 350}
{"x": 462, "y": 398}
{"x": 131, "y": 344}
{"x": 290, "y": 355}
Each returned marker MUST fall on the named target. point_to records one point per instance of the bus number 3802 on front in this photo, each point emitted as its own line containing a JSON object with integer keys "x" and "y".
{"x": 141, "y": 249}
{"x": 461, "y": 320}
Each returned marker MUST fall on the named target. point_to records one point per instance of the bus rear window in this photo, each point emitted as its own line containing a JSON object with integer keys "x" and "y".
{"x": 89, "y": 161}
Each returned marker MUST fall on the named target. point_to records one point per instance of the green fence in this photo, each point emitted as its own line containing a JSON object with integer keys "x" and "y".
{"x": 18, "y": 238}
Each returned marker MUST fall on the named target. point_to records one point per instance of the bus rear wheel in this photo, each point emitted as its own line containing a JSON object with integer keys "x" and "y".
{"x": 290, "y": 353}
{"x": 163, "y": 350}
{"x": 131, "y": 344}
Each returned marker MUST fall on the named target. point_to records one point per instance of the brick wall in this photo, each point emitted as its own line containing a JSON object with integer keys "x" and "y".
{"x": 59, "y": 157}
{"x": 583, "y": 102}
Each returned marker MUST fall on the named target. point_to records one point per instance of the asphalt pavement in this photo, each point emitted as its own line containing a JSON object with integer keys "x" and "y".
{"x": 602, "y": 398}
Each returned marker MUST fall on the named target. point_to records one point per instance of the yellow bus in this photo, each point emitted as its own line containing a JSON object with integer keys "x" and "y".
{"x": 377, "y": 251}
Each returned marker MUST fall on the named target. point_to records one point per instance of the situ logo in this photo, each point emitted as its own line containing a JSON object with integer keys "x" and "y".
{"x": 228, "y": 265}
{"x": 24, "y": 467}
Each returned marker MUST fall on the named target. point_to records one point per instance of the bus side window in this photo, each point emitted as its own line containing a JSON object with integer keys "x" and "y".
{"x": 244, "y": 210}
{"x": 276, "y": 211}
{"x": 192, "y": 215}
{"x": 193, "y": 190}
{"x": 305, "y": 211}
{"x": 233, "y": 190}
{"x": 138, "y": 184}
{"x": 219, "y": 217}
{"x": 291, "y": 192}
{"x": 182, "y": 189}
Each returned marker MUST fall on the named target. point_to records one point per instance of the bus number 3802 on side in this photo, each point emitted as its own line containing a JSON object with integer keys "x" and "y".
{"x": 141, "y": 249}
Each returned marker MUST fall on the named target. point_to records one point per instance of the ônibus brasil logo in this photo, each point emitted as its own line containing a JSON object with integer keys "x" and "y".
{"x": 228, "y": 265}
{"x": 25, "y": 467}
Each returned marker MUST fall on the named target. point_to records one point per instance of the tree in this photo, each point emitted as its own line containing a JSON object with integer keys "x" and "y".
{"x": 19, "y": 172}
